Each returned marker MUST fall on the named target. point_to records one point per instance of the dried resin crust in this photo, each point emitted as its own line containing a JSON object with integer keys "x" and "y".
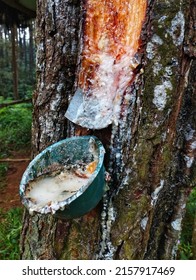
{"x": 110, "y": 41}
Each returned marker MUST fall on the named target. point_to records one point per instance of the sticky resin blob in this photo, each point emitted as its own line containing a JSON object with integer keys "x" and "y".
{"x": 48, "y": 190}
{"x": 110, "y": 41}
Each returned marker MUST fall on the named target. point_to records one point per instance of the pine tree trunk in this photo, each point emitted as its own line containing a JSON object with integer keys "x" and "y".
{"x": 149, "y": 153}
{"x": 31, "y": 55}
{"x": 14, "y": 61}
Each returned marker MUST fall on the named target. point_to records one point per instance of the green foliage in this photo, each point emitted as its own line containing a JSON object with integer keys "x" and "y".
{"x": 3, "y": 170}
{"x": 191, "y": 206}
{"x": 6, "y": 82}
{"x": 185, "y": 251}
{"x": 185, "y": 247}
{"x": 3, "y": 100}
{"x": 10, "y": 228}
{"x": 15, "y": 123}
{"x": 15, "y": 128}
{"x": 15, "y": 134}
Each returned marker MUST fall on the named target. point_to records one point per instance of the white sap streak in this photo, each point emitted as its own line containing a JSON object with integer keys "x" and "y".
{"x": 176, "y": 225}
{"x": 193, "y": 145}
{"x": 189, "y": 161}
{"x": 151, "y": 49}
{"x": 157, "y": 68}
{"x": 177, "y": 24}
{"x": 108, "y": 216}
{"x": 101, "y": 105}
{"x": 160, "y": 95}
{"x": 156, "y": 192}
{"x": 157, "y": 40}
{"x": 189, "y": 134}
{"x": 144, "y": 222}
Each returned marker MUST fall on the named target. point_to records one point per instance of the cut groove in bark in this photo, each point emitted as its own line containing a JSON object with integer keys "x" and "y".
{"x": 108, "y": 59}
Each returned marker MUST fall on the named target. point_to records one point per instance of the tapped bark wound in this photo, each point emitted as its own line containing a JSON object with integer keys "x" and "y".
{"x": 110, "y": 41}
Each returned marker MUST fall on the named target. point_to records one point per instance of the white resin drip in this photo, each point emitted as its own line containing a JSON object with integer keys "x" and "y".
{"x": 160, "y": 94}
{"x": 177, "y": 28}
{"x": 155, "y": 194}
{"x": 176, "y": 225}
{"x": 100, "y": 106}
{"x": 144, "y": 223}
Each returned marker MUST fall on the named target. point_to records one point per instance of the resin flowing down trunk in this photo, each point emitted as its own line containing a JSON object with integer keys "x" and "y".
{"x": 110, "y": 41}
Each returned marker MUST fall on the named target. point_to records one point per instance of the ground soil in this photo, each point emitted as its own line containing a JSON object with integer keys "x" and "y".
{"x": 9, "y": 194}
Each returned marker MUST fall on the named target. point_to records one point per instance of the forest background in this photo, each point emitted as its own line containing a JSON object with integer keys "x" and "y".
{"x": 17, "y": 82}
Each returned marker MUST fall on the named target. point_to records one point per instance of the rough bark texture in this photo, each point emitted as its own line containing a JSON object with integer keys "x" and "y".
{"x": 149, "y": 154}
{"x": 14, "y": 62}
{"x": 57, "y": 43}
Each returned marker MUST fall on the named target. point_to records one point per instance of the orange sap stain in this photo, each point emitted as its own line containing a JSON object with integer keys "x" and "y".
{"x": 110, "y": 27}
{"x": 91, "y": 167}
{"x": 109, "y": 43}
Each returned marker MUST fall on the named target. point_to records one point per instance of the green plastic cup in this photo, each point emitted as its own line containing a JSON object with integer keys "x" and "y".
{"x": 69, "y": 151}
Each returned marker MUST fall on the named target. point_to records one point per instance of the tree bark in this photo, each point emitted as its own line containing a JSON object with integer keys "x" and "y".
{"x": 31, "y": 52}
{"x": 149, "y": 153}
{"x": 14, "y": 62}
{"x": 57, "y": 48}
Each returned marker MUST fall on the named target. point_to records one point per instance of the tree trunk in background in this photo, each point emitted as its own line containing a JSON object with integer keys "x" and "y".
{"x": 6, "y": 51}
{"x": 25, "y": 53}
{"x": 149, "y": 154}
{"x": 14, "y": 61}
{"x": 31, "y": 52}
{"x": 2, "y": 54}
